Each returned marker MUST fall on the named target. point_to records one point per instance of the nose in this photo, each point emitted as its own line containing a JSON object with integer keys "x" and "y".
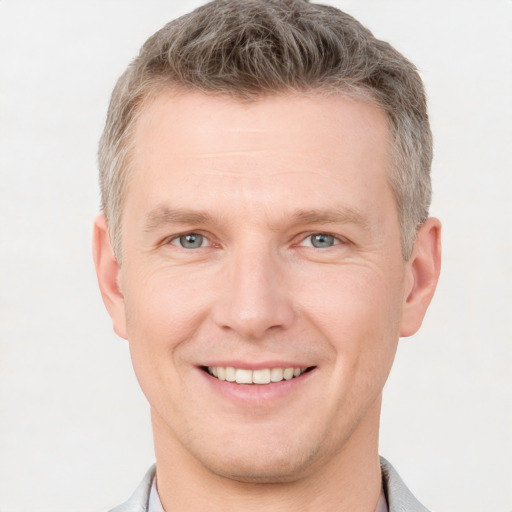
{"x": 253, "y": 295}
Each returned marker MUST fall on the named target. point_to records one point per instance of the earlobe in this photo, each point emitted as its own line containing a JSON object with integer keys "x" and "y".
{"x": 108, "y": 272}
{"x": 423, "y": 270}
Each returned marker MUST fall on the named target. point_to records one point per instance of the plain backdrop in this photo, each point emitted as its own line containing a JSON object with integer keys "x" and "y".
{"x": 74, "y": 426}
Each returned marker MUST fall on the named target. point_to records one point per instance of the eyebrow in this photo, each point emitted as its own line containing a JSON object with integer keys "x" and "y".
{"x": 343, "y": 215}
{"x": 163, "y": 215}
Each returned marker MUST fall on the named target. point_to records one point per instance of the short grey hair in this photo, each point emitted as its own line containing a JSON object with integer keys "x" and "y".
{"x": 247, "y": 49}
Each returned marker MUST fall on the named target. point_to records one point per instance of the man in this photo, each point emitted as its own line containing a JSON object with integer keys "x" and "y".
{"x": 263, "y": 244}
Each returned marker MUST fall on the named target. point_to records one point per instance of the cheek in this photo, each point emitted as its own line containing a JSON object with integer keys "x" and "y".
{"x": 163, "y": 312}
{"x": 358, "y": 310}
{"x": 164, "y": 307}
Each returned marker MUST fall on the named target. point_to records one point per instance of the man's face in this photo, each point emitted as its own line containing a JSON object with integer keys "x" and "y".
{"x": 260, "y": 241}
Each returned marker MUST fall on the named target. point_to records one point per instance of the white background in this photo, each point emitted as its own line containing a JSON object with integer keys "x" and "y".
{"x": 74, "y": 427}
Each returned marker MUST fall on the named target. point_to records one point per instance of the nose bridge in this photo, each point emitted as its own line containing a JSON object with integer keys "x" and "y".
{"x": 254, "y": 295}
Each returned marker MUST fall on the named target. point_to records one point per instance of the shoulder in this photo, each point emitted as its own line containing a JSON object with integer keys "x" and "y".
{"x": 138, "y": 501}
{"x": 399, "y": 498}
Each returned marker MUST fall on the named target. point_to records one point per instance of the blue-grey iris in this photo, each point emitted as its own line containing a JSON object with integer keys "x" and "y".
{"x": 321, "y": 240}
{"x": 191, "y": 241}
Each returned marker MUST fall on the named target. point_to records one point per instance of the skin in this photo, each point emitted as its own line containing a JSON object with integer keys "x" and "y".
{"x": 256, "y": 181}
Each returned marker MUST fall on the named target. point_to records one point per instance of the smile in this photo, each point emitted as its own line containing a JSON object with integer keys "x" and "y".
{"x": 261, "y": 376}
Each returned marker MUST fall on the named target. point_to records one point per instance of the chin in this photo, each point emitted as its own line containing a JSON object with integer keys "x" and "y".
{"x": 263, "y": 462}
{"x": 274, "y": 470}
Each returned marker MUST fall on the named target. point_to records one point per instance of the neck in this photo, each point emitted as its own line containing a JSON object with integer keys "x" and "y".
{"x": 349, "y": 481}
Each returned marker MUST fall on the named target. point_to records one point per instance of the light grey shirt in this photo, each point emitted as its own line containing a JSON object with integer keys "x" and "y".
{"x": 154, "y": 504}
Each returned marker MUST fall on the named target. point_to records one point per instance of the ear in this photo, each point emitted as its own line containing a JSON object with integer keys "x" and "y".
{"x": 423, "y": 270}
{"x": 108, "y": 272}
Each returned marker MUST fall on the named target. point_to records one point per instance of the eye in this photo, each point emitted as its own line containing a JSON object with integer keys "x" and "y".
{"x": 190, "y": 241}
{"x": 320, "y": 241}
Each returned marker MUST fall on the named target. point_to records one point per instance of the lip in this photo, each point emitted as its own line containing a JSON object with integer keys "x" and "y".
{"x": 254, "y": 395}
{"x": 255, "y": 365}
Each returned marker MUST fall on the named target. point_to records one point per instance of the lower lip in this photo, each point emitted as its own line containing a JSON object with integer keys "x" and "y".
{"x": 256, "y": 394}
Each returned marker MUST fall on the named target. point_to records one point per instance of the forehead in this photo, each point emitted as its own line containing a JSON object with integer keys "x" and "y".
{"x": 191, "y": 124}
{"x": 191, "y": 116}
{"x": 287, "y": 143}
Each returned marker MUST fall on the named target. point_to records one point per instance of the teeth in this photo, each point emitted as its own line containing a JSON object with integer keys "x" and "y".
{"x": 276, "y": 374}
{"x": 261, "y": 376}
{"x": 288, "y": 373}
{"x": 264, "y": 376}
{"x": 243, "y": 376}
{"x": 230, "y": 374}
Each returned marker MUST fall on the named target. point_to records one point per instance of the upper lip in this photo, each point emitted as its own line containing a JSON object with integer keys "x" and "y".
{"x": 256, "y": 365}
